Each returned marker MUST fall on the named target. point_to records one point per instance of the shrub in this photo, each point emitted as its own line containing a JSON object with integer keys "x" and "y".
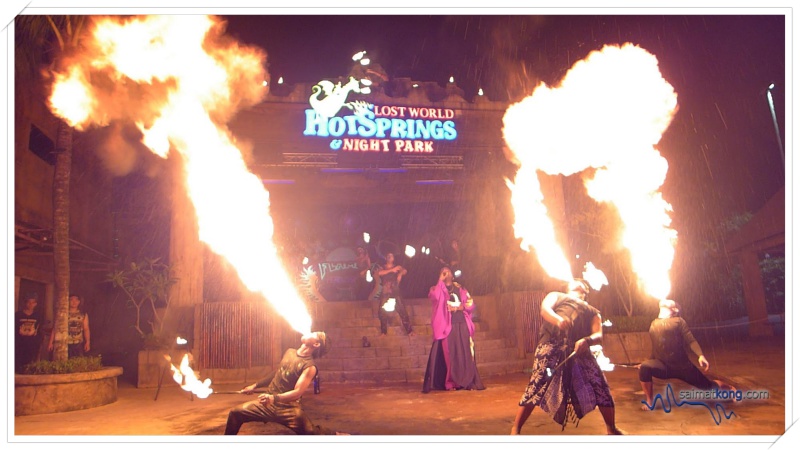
{"x": 71, "y": 365}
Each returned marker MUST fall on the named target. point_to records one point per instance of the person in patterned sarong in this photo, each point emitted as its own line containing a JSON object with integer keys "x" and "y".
{"x": 569, "y": 391}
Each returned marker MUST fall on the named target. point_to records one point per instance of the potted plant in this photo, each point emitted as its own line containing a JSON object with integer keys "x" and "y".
{"x": 145, "y": 285}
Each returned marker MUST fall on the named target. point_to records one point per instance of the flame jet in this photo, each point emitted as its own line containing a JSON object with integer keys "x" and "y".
{"x": 608, "y": 113}
{"x": 180, "y": 79}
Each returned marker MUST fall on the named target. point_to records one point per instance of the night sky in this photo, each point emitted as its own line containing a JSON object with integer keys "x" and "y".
{"x": 722, "y": 147}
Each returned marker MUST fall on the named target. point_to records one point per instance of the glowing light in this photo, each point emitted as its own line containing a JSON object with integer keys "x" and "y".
{"x": 606, "y": 115}
{"x": 410, "y": 251}
{"x": 280, "y": 80}
{"x": 602, "y": 360}
{"x": 178, "y": 111}
{"x": 365, "y": 62}
{"x": 480, "y": 91}
{"x": 265, "y": 83}
{"x": 368, "y": 276}
{"x": 389, "y": 305}
{"x": 607, "y": 323}
{"x": 71, "y": 99}
{"x": 457, "y": 273}
{"x": 451, "y": 79}
{"x": 366, "y": 82}
{"x": 366, "y": 238}
{"x": 305, "y": 260}
{"x": 415, "y": 85}
{"x": 181, "y": 341}
{"x": 359, "y": 55}
{"x": 366, "y": 90}
{"x": 594, "y": 276}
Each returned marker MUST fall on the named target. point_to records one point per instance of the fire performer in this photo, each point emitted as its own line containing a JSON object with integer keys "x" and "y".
{"x": 670, "y": 336}
{"x": 567, "y": 387}
{"x": 451, "y": 364}
{"x": 390, "y": 275}
{"x": 285, "y": 387}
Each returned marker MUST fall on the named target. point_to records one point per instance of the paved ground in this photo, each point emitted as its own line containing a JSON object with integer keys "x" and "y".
{"x": 401, "y": 411}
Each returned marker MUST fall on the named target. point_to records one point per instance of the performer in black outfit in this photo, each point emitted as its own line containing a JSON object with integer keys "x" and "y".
{"x": 568, "y": 392}
{"x": 670, "y": 336}
{"x": 285, "y": 387}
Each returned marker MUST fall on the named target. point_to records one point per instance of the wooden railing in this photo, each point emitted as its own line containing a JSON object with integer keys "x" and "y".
{"x": 234, "y": 335}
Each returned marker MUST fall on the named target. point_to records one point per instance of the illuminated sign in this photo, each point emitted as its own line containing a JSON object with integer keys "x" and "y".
{"x": 375, "y": 128}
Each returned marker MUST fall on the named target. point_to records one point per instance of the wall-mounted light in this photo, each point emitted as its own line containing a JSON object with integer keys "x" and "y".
{"x": 274, "y": 181}
{"x": 434, "y": 182}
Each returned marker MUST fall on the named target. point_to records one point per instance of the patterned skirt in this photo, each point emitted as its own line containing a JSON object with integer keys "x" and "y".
{"x": 572, "y": 391}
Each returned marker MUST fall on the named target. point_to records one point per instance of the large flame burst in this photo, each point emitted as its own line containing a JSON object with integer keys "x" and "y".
{"x": 179, "y": 79}
{"x": 608, "y": 114}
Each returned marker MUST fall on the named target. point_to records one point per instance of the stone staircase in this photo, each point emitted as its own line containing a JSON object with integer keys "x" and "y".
{"x": 397, "y": 357}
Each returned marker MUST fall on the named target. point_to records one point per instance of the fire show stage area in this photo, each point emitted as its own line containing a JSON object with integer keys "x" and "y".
{"x": 285, "y": 201}
{"x": 393, "y": 410}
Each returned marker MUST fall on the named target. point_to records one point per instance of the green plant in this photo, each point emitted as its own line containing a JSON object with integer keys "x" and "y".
{"x": 146, "y": 285}
{"x": 71, "y": 365}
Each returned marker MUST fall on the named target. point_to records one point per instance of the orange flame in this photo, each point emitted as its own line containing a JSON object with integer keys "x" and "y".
{"x": 187, "y": 378}
{"x": 608, "y": 114}
{"x": 179, "y": 79}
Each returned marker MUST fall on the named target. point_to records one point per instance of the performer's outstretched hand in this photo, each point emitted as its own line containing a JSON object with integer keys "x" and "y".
{"x": 703, "y": 363}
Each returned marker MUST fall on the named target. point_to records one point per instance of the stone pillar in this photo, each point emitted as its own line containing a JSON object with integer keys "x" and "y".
{"x": 754, "y": 298}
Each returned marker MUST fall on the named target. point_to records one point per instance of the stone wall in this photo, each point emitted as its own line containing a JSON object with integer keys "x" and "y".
{"x": 44, "y": 394}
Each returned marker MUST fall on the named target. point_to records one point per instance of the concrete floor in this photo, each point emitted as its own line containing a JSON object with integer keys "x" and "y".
{"x": 401, "y": 411}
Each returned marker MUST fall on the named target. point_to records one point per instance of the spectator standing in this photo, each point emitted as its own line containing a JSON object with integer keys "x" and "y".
{"x": 79, "y": 336}
{"x": 28, "y": 339}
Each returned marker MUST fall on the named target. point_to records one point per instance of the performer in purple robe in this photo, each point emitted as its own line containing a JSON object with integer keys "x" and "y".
{"x": 451, "y": 364}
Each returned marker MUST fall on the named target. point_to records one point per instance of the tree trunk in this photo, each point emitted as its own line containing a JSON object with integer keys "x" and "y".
{"x": 63, "y": 169}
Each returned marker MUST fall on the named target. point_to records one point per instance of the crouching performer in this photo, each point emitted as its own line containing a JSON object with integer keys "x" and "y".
{"x": 285, "y": 387}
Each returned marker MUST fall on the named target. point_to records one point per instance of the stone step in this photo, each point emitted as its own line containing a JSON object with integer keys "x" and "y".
{"x": 411, "y": 375}
{"x": 368, "y": 317}
{"x": 396, "y": 336}
{"x": 397, "y": 357}
{"x": 412, "y": 356}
